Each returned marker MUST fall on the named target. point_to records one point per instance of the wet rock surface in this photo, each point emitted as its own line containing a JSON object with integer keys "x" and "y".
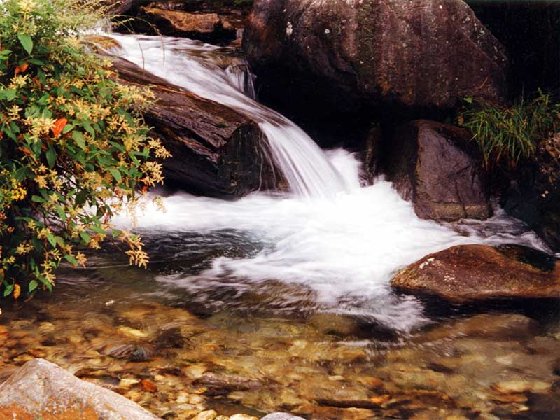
{"x": 347, "y": 54}
{"x": 430, "y": 164}
{"x": 478, "y": 272}
{"x": 209, "y": 27}
{"x": 215, "y": 150}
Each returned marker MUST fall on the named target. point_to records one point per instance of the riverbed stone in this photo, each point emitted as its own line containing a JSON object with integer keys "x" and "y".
{"x": 521, "y": 386}
{"x": 343, "y": 54}
{"x": 477, "y": 272}
{"x": 41, "y": 389}
{"x": 432, "y": 165}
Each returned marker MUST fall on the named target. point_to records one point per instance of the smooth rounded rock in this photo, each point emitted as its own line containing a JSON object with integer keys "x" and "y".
{"x": 477, "y": 272}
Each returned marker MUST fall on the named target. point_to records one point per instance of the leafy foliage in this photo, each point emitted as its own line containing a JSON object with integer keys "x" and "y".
{"x": 73, "y": 146}
{"x": 507, "y": 135}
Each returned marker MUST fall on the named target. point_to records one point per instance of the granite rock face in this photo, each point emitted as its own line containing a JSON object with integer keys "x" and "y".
{"x": 430, "y": 164}
{"x": 418, "y": 53}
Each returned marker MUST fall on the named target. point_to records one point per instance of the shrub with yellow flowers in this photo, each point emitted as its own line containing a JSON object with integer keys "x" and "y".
{"x": 73, "y": 146}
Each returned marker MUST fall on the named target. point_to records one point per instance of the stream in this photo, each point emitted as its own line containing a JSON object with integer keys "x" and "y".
{"x": 281, "y": 301}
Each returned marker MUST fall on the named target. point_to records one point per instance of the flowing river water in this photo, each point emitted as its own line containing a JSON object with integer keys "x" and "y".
{"x": 282, "y": 301}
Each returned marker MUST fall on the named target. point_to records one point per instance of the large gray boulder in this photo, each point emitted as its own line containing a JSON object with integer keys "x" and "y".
{"x": 416, "y": 53}
{"x": 430, "y": 164}
{"x": 41, "y": 389}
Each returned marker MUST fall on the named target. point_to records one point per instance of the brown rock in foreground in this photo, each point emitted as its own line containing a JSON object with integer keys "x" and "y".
{"x": 216, "y": 150}
{"x": 429, "y": 165}
{"x": 478, "y": 272}
{"x": 416, "y": 53}
{"x": 41, "y": 389}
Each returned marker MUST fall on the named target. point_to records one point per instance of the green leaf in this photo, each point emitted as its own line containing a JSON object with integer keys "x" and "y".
{"x": 8, "y": 94}
{"x": 85, "y": 237}
{"x": 71, "y": 259}
{"x": 61, "y": 213}
{"x": 8, "y": 290}
{"x": 26, "y": 42}
{"x": 52, "y": 239}
{"x": 37, "y": 199}
{"x": 67, "y": 128}
{"x": 51, "y": 156}
{"x": 33, "y": 285}
{"x": 81, "y": 198}
{"x": 79, "y": 139}
{"x": 116, "y": 174}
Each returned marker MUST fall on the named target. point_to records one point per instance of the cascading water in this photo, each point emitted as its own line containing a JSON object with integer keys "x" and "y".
{"x": 242, "y": 79}
{"x": 301, "y": 161}
{"x": 332, "y": 237}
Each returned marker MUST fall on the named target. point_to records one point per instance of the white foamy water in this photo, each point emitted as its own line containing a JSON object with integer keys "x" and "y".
{"x": 341, "y": 241}
{"x": 344, "y": 249}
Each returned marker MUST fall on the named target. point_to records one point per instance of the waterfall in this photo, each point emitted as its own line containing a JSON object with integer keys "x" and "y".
{"x": 190, "y": 65}
{"x": 343, "y": 249}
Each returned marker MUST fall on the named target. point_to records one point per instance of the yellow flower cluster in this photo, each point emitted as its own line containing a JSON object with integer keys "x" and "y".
{"x": 39, "y": 126}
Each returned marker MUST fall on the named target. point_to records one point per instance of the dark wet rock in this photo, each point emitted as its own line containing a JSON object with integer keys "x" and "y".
{"x": 169, "y": 336}
{"x": 131, "y": 352}
{"x": 347, "y": 54}
{"x": 530, "y": 33}
{"x": 216, "y": 151}
{"x": 41, "y": 389}
{"x": 430, "y": 163}
{"x": 205, "y": 20}
{"x": 223, "y": 384}
{"x": 543, "y": 406}
{"x": 533, "y": 257}
{"x": 281, "y": 416}
{"x": 534, "y": 193}
{"x": 476, "y": 272}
